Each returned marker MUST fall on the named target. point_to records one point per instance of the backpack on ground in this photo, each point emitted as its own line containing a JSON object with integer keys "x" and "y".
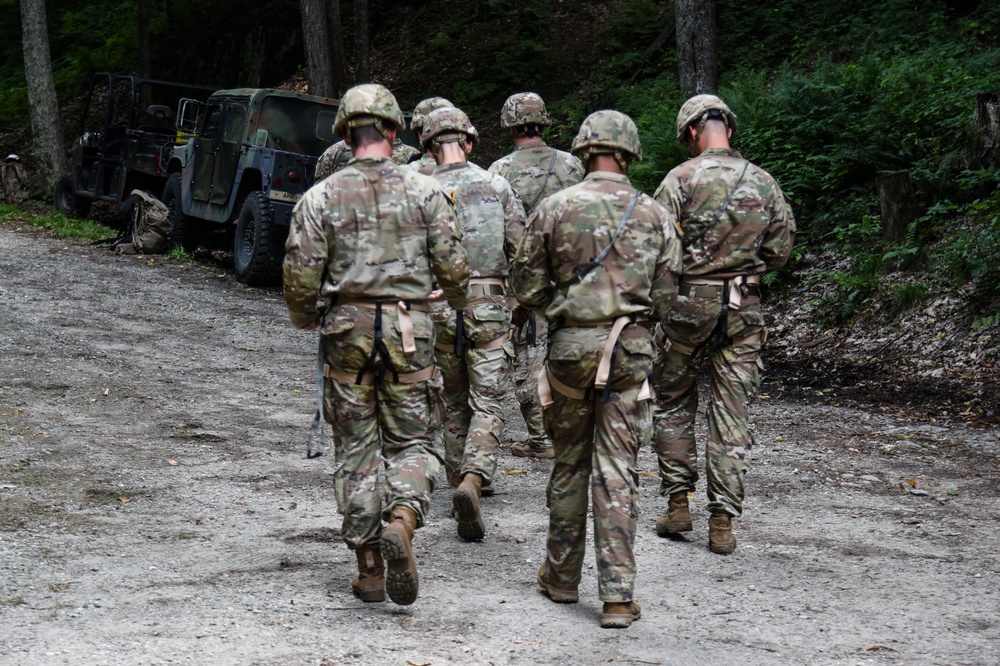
{"x": 150, "y": 227}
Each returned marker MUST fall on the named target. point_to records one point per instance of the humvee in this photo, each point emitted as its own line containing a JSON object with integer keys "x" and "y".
{"x": 252, "y": 156}
{"x": 126, "y": 137}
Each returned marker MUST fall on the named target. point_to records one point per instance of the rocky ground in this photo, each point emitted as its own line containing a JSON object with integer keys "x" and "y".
{"x": 156, "y": 505}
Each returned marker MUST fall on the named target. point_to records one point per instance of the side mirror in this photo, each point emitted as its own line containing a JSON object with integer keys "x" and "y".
{"x": 188, "y": 113}
{"x": 324, "y": 125}
{"x": 260, "y": 138}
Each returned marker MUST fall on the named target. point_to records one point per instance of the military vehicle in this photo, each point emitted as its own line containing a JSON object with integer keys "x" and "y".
{"x": 125, "y": 140}
{"x": 251, "y": 158}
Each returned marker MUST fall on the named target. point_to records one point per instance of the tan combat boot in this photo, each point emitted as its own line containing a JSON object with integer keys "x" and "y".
{"x": 370, "y": 583}
{"x": 620, "y": 616}
{"x": 720, "y": 534}
{"x": 465, "y": 505}
{"x": 397, "y": 549}
{"x": 677, "y": 518}
{"x": 556, "y": 594}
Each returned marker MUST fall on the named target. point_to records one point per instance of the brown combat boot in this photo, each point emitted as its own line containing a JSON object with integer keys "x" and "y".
{"x": 620, "y": 616}
{"x": 558, "y": 595}
{"x": 677, "y": 518}
{"x": 454, "y": 478}
{"x": 370, "y": 583}
{"x": 528, "y": 450}
{"x": 397, "y": 549}
{"x": 465, "y": 505}
{"x": 720, "y": 534}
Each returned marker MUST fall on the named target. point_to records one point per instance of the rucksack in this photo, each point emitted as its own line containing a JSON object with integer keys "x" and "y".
{"x": 150, "y": 226}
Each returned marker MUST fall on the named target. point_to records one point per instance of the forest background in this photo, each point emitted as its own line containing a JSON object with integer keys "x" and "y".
{"x": 830, "y": 96}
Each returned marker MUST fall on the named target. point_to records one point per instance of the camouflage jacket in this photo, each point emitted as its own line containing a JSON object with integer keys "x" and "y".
{"x": 639, "y": 274}
{"x": 373, "y": 230}
{"x": 525, "y": 170}
{"x": 753, "y": 235}
{"x": 425, "y": 165}
{"x": 489, "y": 213}
{"x": 339, "y": 154}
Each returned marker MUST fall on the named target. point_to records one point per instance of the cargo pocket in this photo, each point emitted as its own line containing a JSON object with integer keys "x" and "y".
{"x": 338, "y": 321}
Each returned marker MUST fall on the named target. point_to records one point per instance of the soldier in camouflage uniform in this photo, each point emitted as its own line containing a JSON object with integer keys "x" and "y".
{"x": 13, "y": 180}
{"x": 473, "y": 345}
{"x": 426, "y": 164}
{"x": 369, "y": 242}
{"x": 595, "y": 383}
{"x": 339, "y": 154}
{"x": 737, "y": 226}
{"x": 535, "y": 171}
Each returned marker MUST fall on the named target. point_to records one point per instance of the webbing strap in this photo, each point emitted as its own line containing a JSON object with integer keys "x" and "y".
{"x": 317, "y": 424}
{"x": 605, "y": 367}
{"x": 759, "y": 336}
{"x": 488, "y": 344}
{"x": 547, "y": 381}
{"x": 380, "y": 352}
{"x": 369, "y": 378}
{"x": 718, "y": 214}
{"x": 403, "y": 308}
{"x": 541, "y": 190}
{"x": 596, "y": 261}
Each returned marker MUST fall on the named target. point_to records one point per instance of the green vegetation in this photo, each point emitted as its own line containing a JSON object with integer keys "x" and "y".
{"x": 56, "y": 224}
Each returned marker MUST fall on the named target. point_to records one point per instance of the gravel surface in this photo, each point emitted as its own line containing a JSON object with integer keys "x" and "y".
{"x": 156, "y": 507}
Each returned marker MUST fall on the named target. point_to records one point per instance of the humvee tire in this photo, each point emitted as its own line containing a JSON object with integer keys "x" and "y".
{"x": 259, "y": 247}
{"x": 183, "y": 229}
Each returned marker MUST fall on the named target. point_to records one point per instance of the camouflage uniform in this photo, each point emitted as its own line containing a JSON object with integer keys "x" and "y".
{"x": 13, "y": 180}
{"x": 339, "y": 154}
{"x": 723, "y": 261}
{"x": 535, "y": 171}
{"x": 375, "y": 232}
{"x": 597, "y": 433}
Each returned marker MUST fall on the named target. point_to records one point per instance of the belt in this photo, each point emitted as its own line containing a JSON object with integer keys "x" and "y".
{"x": 368, "y": 378}
{"x": 740, "y": 287}
{"x": 611, "y": 321}
{"x": 483, "y": 289}
{"x": 403, "y": 310}
{"x": 488, "y": 344}
{"x": 759, "y": 336}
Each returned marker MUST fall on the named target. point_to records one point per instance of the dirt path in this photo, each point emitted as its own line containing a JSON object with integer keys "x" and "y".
{"x": 156, "y": 507}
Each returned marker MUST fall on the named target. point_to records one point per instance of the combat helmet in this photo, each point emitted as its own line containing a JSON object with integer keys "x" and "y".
{"x": 608, "y": 132}
{"x": 524, "y": 109}
{"x": 447, "y": 124}
{"x": 368, "y": 104}
{"x": 698, "y": 110}
{"x": 422, "y": 109}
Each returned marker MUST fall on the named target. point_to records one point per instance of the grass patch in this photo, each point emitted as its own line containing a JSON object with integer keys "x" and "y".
{"x": 56, "y": 224}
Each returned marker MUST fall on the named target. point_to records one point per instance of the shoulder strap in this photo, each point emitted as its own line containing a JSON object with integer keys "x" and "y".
{"x": 548, "y": 173}
{"x": 718, "y": 213}
{"x": 596, "y": 261}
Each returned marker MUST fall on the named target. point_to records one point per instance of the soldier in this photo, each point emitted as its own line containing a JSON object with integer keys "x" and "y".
{"x": 535, "y": 171}
{"x": 737, "y": 226}
{"x": 369, "y": 242}
{"x": 426, "y": 163}
{"x": 13, "y": 180}
{"x": 339, "y": 154}
{"x": 473, "y": 345}
{"x": 600, "y": 260}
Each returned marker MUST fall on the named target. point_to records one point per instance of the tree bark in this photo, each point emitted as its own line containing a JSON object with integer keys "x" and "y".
{"x": 988, "y": 124}
{"x": 898, "y": 204}
{"x": 697, "y": 62}
{"x": 338, "y": 53}
{"x": 43, "y": 106}
{"x": 314, "y": 41}
{"x": 145, "y": 52}
{"x": 362, "y": 50}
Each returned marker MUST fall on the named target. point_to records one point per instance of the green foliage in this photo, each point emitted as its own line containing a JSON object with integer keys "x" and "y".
{"x": 55, "y": 224}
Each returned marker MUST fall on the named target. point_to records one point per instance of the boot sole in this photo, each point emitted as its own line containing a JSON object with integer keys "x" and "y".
{"x": 369, "y": 595}
{"x": 722, "y": 548}
{"x": 619, "y": 620}
{"x": 674, "y": 528}
{"x": 401, "y": 575}
{"x": 557, "y": 595}
{"x": 544, "y": 455}
{"x": 470, "y": 519}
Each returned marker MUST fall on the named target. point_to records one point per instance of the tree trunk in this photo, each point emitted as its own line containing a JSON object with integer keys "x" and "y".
{"x": 338, "y": 54}
{"x": 314, "y": 40}
{"x": 43, "y": 106}
{"x": 145, "y": 54}
{"x": 899, "y": 208}
{"x": 362, "y": 51}
{"x": 988, "y": 124}
{"x": 696, "y": 56}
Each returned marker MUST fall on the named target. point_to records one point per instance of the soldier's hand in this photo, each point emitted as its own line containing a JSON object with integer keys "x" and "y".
{"x": 436, "y": 295}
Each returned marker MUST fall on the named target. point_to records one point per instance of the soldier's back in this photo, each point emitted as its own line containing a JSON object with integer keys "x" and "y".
{"x": 537, "y": 171}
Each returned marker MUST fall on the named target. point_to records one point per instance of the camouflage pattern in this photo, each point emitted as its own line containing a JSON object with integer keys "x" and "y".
{"x": 696, "y": 107}
{"x": 608, "y": 131}
{"x": 447, "y": 124}
{"x": 339, "y": 154}
{"x": 528, "y": 361}
{"x": 425, "y": 107}
{"x": 375, "y": 230}
{"x": 597, "y": 443}
{"x": 524, "y": 109}
{"x": 13, "y": 180}
{"x": 754, "y": 235}
{"x": 425, "y": 165}
{"x": 492, "y": 222}
{"x": 367, "y": 99}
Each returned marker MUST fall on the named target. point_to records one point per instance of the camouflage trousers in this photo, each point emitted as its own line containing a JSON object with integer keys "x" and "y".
{"x": 530, "y": 359}
{"x": 734, "y": 377}
{"x": 394, "y": 423}
{"x": 474, "y": 384}
{"x": 595, "y": 445}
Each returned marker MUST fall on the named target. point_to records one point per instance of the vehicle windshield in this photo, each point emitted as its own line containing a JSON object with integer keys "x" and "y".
{"x": 291, "y": 124}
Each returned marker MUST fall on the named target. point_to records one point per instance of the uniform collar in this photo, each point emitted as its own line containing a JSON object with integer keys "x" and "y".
{"x": 732, "y": 152}
{"x": 454, "y": 166}
{"x": 537, "y": 143}
{"x": 608, "y": 175}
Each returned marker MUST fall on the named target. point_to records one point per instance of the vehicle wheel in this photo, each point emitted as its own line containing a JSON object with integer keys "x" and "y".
{"x": 183, "y": 229}
{"x": 67, "y": 201}
{"x": 259, "y": 247}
